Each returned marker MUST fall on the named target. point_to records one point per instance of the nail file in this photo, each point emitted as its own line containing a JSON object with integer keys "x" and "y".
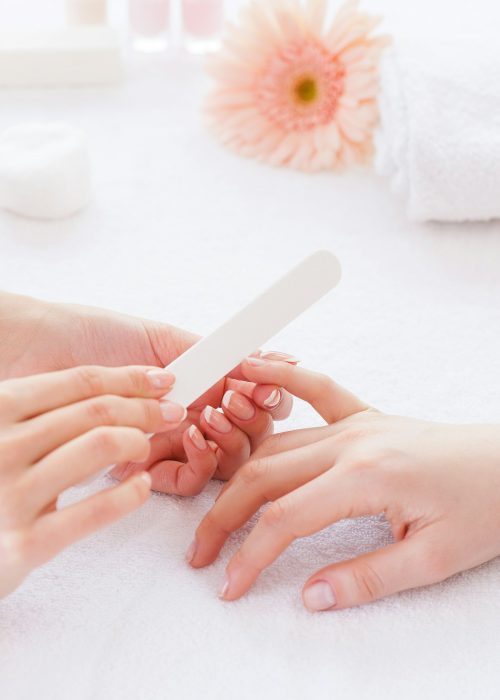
{"x": 200, "y": 367}
{"x": 215, "y": 355}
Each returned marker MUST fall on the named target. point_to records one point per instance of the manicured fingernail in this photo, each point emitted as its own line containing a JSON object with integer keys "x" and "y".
{"x": 256, "y": 361}
{"x": 172, "y": 412}
{"x": 197, "y": 438}
{"x": 216, "y": 420}
{"x": 280, "y": 357}
{"x": 239, "y": 405}
{"x": 146, "y": 476}
{"x": 273, "y": 399}
{"x": 319, "y": 596}
{"x": 224, "y": 588}
{"x": 160, "y": 378}
{"x": 191, "y": 551}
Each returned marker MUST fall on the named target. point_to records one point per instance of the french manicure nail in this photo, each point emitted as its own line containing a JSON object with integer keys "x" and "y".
{"x": 239, "y": 405}
{"x": 280, "y": 357}
{"x": 224, "y": 588}
{"x": 273, "y": 399}
{"x": 172, "y": 412}
{"x": 319, "y": 596}
{"x": 146, "y": 476}
{"x": 160, "y": 378}
{"x": 256, "y": 361}
{"x": 217, "y": 420}
{"x": 197, "y": 438}
{"x": 191, "y": 551}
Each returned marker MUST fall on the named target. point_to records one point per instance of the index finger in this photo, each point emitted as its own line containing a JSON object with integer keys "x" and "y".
{"x": 30, "y": 396}
{"x": 328, "y": 398}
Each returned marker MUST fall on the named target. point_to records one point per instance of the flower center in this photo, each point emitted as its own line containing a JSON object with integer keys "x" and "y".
{"x": 306, "y": 90}
{"x": 300, "y": 86}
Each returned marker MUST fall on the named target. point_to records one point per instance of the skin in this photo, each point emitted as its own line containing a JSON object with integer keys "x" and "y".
{"x": 37, "y": 336}
{"x": 93, "y": 416}
{"x": 438, "y": 485}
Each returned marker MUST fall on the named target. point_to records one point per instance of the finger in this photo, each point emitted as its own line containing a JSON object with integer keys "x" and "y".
{"x": 257, "y": 482}
{"x": 39, "y": 436}
{"x": 270, "y": 397}
{"x": 255, "y": 422}
{"x": 233, "y": 443}
{"x": 77, "y": 460}
{"x": 330, "y": 497}
{"x": 186, "y": 478}
{"x": 55, "y": 531}
{"x": 29, "y": 396}
{"x": 328, "y": 398}
{"x": 394, "y": 568}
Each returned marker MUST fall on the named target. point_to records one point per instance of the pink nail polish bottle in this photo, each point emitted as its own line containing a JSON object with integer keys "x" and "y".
{"x": 149, "y": 24}
{"x": 202, "y": 22}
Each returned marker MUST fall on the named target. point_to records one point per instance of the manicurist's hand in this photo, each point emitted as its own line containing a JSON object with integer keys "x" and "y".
{"x": 37, "y": 336}
{"x": 438, "y": 486}
{"x": 56, "y": 430}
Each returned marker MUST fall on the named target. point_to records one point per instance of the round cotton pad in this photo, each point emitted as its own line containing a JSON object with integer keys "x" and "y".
{"x": 44, "y": 170}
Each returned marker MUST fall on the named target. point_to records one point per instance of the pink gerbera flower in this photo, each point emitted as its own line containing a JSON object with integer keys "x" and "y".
{"x": 291, "y": 91}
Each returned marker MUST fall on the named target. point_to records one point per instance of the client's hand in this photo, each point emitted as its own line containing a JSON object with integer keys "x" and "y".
{"x": 36, "y": 336}
{"x": 56, "y": 430}
{"x": 438, "y": 486}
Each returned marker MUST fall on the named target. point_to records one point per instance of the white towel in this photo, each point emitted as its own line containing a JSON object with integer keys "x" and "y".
{"x": 439, "y": 140}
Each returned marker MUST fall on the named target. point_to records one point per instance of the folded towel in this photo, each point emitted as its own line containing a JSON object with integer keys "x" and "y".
{"x": 439, "y": 140}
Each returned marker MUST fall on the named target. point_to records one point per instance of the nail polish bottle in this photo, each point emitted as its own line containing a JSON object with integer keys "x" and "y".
{"x": 202, "y": 22}
{"x": 84, "y": 12}
{"x": 149, "y": 24}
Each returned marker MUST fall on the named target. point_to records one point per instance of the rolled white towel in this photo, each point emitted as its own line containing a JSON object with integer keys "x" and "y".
{"x": 439, "y": 140}
{"x": 44, "y": 170}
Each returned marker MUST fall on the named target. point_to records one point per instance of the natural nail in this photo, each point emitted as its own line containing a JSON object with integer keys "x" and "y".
{"x": 191, "y": 551}
{"x": 172, "y": 412}
{"x": 217, "y": 420}
{"x": 197, "y": 438}
{"x": 256, "y": 361}
{"x": 146, "y": 476}
{"x": 273, "y": 399}
{"x": 319, "y": 596}
{"x": 239, "y": 405}
{"x": 160, "y": 378}
{"x": 224, "y": 588}
{"x": 280, "y": 357}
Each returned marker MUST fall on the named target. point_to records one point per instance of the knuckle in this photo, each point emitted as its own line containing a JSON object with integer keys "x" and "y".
{"x": 434, "y": 562}
{"x": 323, "y": 385}
{"x": 104, "y": 410}
{"x": 138, "y": 380}
{"x": 15, "y": 548}
{"x": 276, "y": 515}
{"x": 104, "y": 441}
{"x": 368, "y": 584}
{"x": 90, "y": 379}
{"x": 253, "y": 472}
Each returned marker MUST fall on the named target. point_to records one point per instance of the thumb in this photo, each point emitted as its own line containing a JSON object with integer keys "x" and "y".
{"x": 394, "y": 568}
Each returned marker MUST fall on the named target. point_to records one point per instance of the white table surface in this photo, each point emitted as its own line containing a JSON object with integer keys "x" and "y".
{"x": 181, "y": 230}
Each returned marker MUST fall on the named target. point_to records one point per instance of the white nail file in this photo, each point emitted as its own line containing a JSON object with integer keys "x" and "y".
{"x": 214, "y": 356}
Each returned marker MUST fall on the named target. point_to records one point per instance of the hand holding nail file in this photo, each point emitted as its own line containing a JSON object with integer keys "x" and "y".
{"x": 206, "y": 362}
{"x": 214, "y": 356}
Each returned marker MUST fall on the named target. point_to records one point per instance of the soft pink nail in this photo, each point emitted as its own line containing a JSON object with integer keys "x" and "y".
{"x": 273, "y": 399}
{"x": 160, "y": 378}
{"x": 319, "y": 596}
{"x": 197, "y": 438}
{"x": 172, "y": 412}
{"x": 239, "y": 405}
{"x": 191, "y": 551}
{"x": 224, "y": 588}
{"x": 146, "y": 476}
{"x": 256, "y": 361}
{"x": 279, "y": 357}
{"x": 218, "y": 421}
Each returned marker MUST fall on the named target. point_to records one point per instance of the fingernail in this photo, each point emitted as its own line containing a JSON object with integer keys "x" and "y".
{"x": 217, "y": 420}
{"x": 319, "y": 596}
{"x": 280, "y": 357}
{"x": 146, "y": 476}
{"x": 239, "y": 405}
{"x": 273, "y": 399}
{"x": 172, "y": 412}
{"x": 256, "y": 361}
{"x": 197, "y": 438}
{"x": 160, "y": 378}
{"x": 224, "y": 588}
{"x": 191, "y": 551}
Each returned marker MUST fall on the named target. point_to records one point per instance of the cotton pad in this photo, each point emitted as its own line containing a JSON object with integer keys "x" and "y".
{"x": 44, "y": 170}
